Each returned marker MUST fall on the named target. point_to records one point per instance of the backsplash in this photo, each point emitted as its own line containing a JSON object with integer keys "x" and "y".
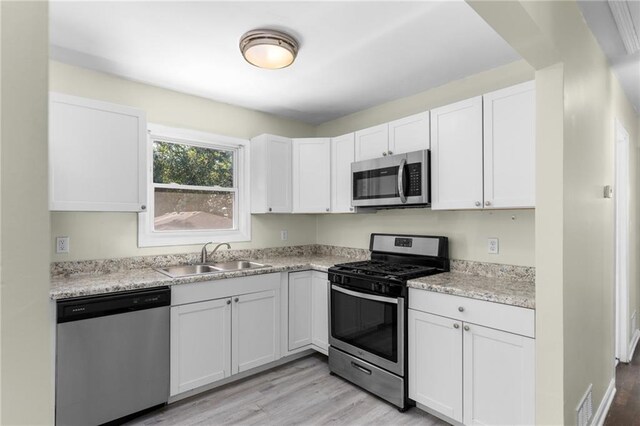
{"x": 103, "y": 266}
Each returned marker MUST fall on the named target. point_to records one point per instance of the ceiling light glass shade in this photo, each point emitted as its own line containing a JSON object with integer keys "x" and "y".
{"x": 268, "y": 49}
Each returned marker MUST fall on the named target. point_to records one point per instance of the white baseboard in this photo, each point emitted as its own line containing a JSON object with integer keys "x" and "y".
{"x": 605, "y": 404}
{"x": 634, "y": 343}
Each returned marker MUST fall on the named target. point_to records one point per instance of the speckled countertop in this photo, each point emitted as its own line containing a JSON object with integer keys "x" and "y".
{"x": 84, "y": 284}
{"x": 512, "y": 285}
{"x": 491, "y": 289}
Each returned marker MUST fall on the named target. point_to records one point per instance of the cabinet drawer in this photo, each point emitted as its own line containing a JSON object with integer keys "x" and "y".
{"x": 226, "y": 287}
{"x": 513, "y": 319}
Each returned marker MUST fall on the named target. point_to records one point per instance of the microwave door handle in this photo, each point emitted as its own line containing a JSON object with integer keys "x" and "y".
{"x": 403, "y": 198}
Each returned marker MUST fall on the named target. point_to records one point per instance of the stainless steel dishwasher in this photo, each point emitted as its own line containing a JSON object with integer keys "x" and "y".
{"x": 112, "y": 356}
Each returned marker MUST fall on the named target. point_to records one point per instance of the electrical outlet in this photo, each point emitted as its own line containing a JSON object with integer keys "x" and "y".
{"x": 62, "y": 244}
{"x": 493, "y": 246}
{"x": 284, "y": 235}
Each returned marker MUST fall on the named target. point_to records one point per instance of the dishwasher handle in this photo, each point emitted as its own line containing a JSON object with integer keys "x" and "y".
{"x": 80, "y": 308}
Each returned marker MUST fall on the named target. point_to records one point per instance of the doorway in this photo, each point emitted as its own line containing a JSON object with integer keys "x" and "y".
{"x": 621, "y": 198}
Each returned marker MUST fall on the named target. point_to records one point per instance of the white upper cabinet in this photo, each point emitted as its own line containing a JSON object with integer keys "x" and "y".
{"x": 342, "y": 155}
{"x": 456, "y": 155}
{"x": 271, "y": 174}
{"x": 396, "y": 137}
{"x": 312, "y": 175}
{"x": 372, "y": 142}
{"x": 409, "y": 134}
{"x": 509, "y": 147}
{"x": 96, "y": 155}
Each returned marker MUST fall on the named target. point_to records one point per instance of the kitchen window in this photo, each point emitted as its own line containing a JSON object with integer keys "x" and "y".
{"x": 198, "y": 189}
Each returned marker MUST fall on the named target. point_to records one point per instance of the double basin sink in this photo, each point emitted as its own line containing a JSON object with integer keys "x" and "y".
{"x": 209, "y": 268}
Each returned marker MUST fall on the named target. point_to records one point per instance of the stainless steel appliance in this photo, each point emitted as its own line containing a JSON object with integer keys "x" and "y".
{"x": 368, "y": 311}
{"x": 112, "y": 356}
{"x": 395, "y": 180}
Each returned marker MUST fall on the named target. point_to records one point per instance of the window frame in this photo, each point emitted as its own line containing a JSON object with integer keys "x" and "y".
{"x": 148, "y": 237}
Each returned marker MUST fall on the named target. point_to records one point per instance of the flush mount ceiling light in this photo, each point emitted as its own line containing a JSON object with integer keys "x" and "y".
{"x": 268, "y": 48}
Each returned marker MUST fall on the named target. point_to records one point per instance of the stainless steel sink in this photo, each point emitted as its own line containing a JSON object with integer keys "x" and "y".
{"x": 237, "y": 265}
{"x": 188, "y": 270}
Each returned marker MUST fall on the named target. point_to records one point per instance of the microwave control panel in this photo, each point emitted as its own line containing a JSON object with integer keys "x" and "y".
{"x": 414, "y": 174}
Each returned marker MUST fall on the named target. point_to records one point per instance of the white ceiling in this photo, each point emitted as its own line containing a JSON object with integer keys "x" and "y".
{"x": 626, "y": 66}
{"x": 353, "y": 55}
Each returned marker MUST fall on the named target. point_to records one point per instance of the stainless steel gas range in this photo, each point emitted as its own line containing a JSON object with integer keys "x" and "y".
{"x": 368, "y": 311}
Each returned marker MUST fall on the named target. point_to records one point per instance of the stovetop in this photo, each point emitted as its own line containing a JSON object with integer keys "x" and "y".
{"x": 386, "y": 270}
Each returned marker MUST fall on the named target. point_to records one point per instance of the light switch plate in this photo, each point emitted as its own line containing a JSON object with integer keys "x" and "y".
{"x": 62, "y": 244}
{"x": 284, "y": 235}
{"x": 492, "y": 246}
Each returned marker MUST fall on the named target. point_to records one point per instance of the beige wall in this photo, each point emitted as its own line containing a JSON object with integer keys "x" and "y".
{"x": 468, "y": 230}
{"x": 26, "y": 358}
{"x": 592, "y": 99}
{"x": 110, "y": 235}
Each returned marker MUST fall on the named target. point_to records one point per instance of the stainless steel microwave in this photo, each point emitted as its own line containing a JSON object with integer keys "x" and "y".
{"x": 396, "y": 180}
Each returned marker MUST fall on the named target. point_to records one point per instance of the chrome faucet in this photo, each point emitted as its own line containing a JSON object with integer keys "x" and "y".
{"x": 204, "y": 255}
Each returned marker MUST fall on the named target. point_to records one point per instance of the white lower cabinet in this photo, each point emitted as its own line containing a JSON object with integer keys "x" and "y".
{"x": 254, "y": 330}
{"x": 308, "y": 311}
{"x": 435, "y": 363}
{"x": 200, "y": 344}
{"x": 469, "y": 373}
{"x": 499, "y": 377}
{"x": 223, "y": 335}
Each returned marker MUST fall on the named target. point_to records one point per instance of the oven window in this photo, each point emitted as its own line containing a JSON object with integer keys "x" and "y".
{"x": 366, "y": 324}
{"x": 379, "y": 183}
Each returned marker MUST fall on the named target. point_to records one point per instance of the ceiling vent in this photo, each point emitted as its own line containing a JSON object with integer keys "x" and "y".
{"x": 628, "y": 23}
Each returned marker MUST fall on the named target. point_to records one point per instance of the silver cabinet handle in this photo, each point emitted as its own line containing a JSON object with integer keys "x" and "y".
{"x": 389, "y": 152}
{"x": 237, "y": 299}
{"x": 270, "y": 209}
{"x": 456, "y": 325}
{"x": 384, "y": 154}
{"x": 143, "y": 207}
{"x": 327, "y": 209}
{"x": 229, "y": 302}
{"x": 478, "y": 203}
{"x": 466, "y": 328}
{"x": 461, "y": 308}
{"x": 487, "y": 203}
{"x": 350, "y": 209}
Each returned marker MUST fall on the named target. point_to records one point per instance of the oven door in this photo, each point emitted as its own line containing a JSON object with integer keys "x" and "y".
{"x": 368, "y": 326}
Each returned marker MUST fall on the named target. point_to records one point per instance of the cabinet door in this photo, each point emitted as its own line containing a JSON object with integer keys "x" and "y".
{"x": 300, "y": 318}
{"x": 510, "y": 147}
{"x": 499, "y": 377}
{"x": 96, "y": 155}
{"x": 255, "y": 332}
{"x": 409, "y": 133}
{"x": 278, "y": 168}
{"x": 342, "y": 155}
{"x": 200, "y": 344}
{"x": 456, "y": 156}
{"x": 372, "y": 142}
{"x": 312, "y": 175}
{"x": 435, "y": 363}
{"x": 320, "y": 311}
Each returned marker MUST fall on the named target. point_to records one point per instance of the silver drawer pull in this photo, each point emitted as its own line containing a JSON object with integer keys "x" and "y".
{"x": 466, "y": 328}
{"x": 456, "y": 325}
{"x": 461, "y": 308}
{"x": 361, "y": 368}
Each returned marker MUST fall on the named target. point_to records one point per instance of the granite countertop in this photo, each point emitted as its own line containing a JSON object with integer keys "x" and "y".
{"x": 520, "y": 293}
{"x": 85, "y": 284}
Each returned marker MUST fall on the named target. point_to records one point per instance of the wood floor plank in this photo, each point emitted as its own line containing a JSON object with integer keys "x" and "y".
{"x": 625, "y": 408}
{"x": 299, "y": 393}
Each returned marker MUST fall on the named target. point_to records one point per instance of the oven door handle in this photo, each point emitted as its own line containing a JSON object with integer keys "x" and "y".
{"x": 365, "y": 295}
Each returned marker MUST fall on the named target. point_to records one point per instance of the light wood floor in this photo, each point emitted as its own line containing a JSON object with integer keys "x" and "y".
{"x": 298, "y": 393}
